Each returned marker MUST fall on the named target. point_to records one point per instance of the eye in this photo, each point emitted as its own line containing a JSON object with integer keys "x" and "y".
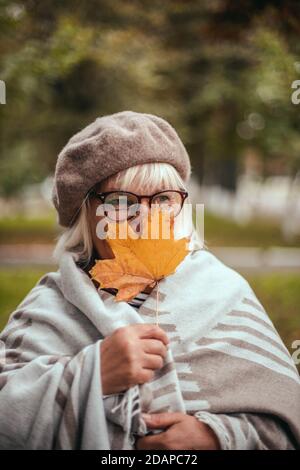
{"x": 165, "y": 198}
{"x": 120, "y": 200}
{"x": 162, "y": 198}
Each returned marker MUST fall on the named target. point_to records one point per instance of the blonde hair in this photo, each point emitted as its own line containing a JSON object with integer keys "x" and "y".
{"x": 148, "y": 178}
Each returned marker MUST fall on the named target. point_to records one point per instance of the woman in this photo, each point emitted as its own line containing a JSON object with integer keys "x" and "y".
{"x": 80, "y": 370}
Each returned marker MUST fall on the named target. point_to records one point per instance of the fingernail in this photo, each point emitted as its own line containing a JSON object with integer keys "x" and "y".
{"x": 145, "y": 416}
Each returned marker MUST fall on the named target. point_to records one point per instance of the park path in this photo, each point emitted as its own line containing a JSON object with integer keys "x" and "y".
{"x": 256, "y": 259}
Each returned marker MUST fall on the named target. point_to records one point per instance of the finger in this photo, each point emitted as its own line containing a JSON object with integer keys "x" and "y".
{"x": 146, "y": 375}
{"x": 154, "y": 346}
{"x": 154, "y": 441}
{"x": 154, "y": 332}
{"x": 162, "y": 420}
{"x": 153, "y": 361}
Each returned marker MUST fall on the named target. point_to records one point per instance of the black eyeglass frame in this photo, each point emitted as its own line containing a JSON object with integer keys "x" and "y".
{"x": 184, "y": 194}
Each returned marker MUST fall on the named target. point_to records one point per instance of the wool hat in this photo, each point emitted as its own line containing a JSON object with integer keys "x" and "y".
{"x": 110, "y": 144}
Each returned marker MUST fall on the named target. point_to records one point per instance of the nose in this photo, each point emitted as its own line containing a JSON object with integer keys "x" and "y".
{"x": 145, "y": 202}
{"x": 142, "y": 214}
{"x": 144, "y": 207}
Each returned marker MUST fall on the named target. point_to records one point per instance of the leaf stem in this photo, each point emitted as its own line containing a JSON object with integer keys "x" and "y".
{"x": 157, "y": 303}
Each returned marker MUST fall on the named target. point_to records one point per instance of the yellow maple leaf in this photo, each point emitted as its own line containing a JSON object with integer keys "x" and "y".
{"x": 125, "y": 273}
{"x": 143, "y": 261}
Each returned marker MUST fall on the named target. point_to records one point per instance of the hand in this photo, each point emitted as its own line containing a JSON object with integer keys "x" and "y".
{"x": 183, "y": 432}
{"x": 131, "y": 355}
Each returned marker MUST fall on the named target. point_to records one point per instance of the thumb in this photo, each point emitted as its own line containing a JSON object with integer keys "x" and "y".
{"x": 162, "y": 420}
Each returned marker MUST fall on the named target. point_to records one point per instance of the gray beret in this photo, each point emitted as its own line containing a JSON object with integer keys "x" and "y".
{"x": 110, "y": 144}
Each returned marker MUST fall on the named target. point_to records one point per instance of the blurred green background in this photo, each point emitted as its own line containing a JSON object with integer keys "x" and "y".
{"x": 223, "y": 73}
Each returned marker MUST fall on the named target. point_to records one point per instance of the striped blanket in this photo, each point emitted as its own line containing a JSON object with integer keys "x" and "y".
{"x": 226, "y": 364}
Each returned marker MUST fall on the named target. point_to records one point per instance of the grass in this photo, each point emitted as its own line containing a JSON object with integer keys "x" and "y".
{"x": 279, "y": 293}
{"x": 219, "y": 231}
{"x": 28, "y": 230}
{"x": 15, "y": 283}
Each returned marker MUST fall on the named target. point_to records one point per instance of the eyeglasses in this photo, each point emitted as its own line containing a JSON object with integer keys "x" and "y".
{"x": 122, "y": 205}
